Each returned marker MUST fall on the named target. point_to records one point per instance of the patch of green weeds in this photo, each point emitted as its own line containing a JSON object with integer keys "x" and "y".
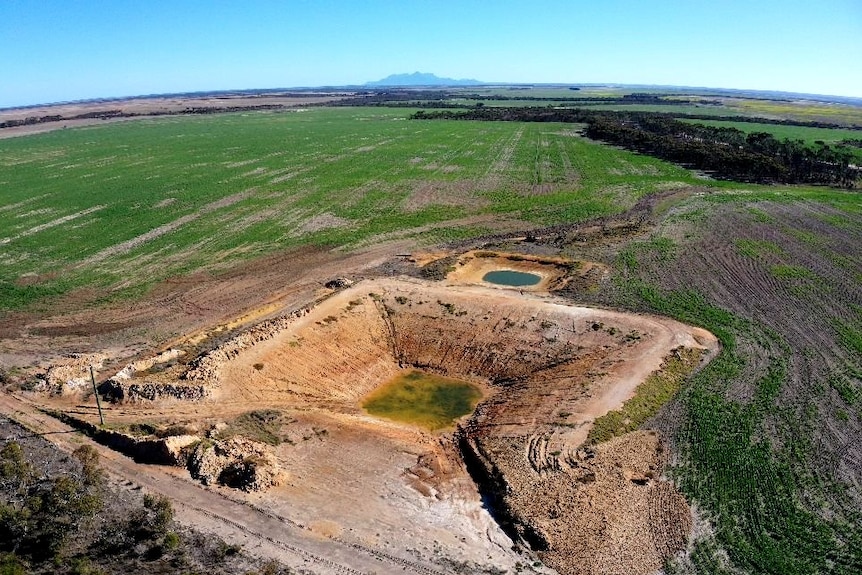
{"x": 658, "y": 248}
{"x": 756, "y": 248}
{"x": 654, "y": 392}
{"x": 791, "y": 272}
{"x": 263, "y": 425}
{"x": 850, "y": 335}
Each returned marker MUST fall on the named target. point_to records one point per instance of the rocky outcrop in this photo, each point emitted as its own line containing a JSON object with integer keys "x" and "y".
{"x": 236, "y": 462}
{"x": 124, "y": 391}
{"x": 175, "y": 450}
{"x": 172, "y": 450}
{"x": 162, "y": 358}
{"x": 338, "y": 283}
{"x": 122, "y": 386}
{"x": 203, "y": 372}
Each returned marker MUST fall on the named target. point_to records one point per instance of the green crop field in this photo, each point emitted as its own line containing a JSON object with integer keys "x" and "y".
{"x": 764, "y": 431}
{"x": 799, "y": 110}
{"x": 515, "y": 103}
{"x": 134, "y": 202}
{"x": 682, "y": 108}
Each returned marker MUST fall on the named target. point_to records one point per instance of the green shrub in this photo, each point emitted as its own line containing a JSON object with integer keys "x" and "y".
{"x": 11, "y": 564}
{"x": 171, "y": 541}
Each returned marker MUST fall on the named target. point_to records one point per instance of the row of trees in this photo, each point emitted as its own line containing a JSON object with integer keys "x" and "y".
{"x": 634, "y": 98}
{"x": 729, "y": 153}
{"x": 724, "y": 152}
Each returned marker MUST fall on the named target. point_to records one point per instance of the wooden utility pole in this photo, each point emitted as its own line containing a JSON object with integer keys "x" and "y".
{"x": 96, "y": 392}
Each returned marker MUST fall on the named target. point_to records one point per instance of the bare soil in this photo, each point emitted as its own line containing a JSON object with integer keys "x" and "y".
{"x": 182, "y": 311}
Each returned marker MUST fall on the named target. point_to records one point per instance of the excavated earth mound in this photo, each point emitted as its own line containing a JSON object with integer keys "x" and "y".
{"x": 236, "y": 462}
{"x": 548, "y": 369}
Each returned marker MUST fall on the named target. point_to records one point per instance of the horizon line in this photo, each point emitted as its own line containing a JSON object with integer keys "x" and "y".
{"x": 374, "y": 85}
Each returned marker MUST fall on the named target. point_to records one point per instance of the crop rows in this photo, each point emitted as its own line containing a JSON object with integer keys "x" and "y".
{"x": 128, "y": 203}
{"x": 766, "y": 435}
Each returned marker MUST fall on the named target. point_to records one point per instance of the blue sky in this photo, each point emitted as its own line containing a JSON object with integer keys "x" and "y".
{"x": 59, "y": 50}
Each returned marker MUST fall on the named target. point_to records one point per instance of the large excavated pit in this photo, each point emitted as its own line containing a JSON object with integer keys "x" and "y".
{"x": 547, "y": 371}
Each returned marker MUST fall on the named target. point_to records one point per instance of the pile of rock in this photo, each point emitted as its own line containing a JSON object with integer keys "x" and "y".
{"x": 338, "y": 283}
{"x": 69, "y": 375}
{"x": 236, "y": 462}
{"x": 124, "y": 391}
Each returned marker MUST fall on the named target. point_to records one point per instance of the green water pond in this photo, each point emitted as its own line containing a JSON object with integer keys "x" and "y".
{"x": 511, "y": 278}
{"x": 427, "y": 400}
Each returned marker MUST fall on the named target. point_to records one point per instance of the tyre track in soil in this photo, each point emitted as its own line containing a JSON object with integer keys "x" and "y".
{"x": 264, "y": 533}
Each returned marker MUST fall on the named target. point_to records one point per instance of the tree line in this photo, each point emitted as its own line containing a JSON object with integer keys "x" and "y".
{"x": 724, "y": 152}
{"x": 729, "y": 153}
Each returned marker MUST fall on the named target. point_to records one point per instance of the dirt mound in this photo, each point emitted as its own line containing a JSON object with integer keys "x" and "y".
{"x": 206, "y": 367}
{"x": 601, "y": 510}
{"x": 170, "y": 450}
{"x": 69, "y": 375}
{"x": 236, "y": 462}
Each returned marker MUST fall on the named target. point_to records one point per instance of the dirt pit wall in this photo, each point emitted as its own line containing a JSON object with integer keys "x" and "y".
{"x": 535, "y": 346}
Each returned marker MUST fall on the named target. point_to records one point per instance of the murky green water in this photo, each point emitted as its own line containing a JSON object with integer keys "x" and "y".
{"x": 427, "y": 400}
{"x": 511, "y": 278}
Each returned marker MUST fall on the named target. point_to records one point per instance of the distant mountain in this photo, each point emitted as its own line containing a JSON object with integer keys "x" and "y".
{"x": 421, "y": 79}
